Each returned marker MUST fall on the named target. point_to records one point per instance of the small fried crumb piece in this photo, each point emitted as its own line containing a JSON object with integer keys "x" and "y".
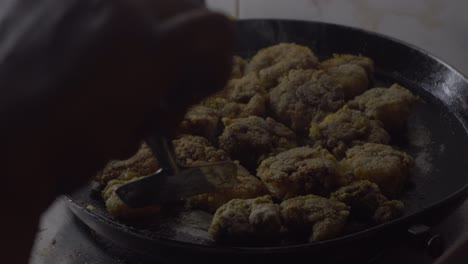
{"x": 389, "y": 211}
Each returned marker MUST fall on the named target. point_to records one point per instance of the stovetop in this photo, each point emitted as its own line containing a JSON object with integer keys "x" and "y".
{"x": 63, "y": 239}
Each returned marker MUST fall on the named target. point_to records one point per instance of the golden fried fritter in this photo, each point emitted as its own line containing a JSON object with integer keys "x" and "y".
{"x": 248, "y": 187}
{"x": 241, "y": 90}
{"x": 381, "y": 164}
{"x": 316, "y": 216}
{"x": 142, "y": 163}
{"x": 341, "y": 59}
{"x": 197, "y": 151}
{"x": 238, "y": 66}
{"x": 273, "y": 62}
{"x": 247, "y": 220}
{"x": 389, "y": 105}
{"x": 366, "y": 200}
{"x": 252, "y": 139}
{"x": 230, "y": 109}
{"x": 300, "y": 171}
{"x": 303, "y": 96}
{"x": 202, "y": 121}
{"x": 352, "y": 78}
{"x": 347, "y": 128}
{"x": 256, "y": 106}
{"x": 242, "y": 97}
{"x": 117, "y": 208}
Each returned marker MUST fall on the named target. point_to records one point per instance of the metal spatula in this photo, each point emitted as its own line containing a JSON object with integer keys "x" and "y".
{"x": 170, "y": 183}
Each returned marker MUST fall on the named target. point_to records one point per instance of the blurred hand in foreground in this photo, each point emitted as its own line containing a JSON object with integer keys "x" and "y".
{"x": 78, "y": 81}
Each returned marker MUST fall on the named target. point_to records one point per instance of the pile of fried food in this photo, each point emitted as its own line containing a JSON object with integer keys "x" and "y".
{"x": 311, "y": 142}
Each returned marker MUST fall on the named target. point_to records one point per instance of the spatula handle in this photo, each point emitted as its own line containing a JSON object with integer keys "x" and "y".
{"x": 163, "y": 149}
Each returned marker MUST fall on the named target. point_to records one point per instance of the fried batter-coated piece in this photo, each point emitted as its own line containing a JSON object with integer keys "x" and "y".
{"x": 238, "y": 67}
{"x": 142, "y": 163}
{"x": 117, "y": 208}
{"x": 300, "y": 171}
{"x": 319, "y": 217}
{"x": 303, "y": 96}
{"x": 248, "y": 187}
{"x": 256, "y": 106}
{"x": 366, "y": 200}
{"x": 381, "y": 164}
{"x": 364, "y": 197}
{"x": 352, "y": 78}
{"x": 273, "y": 62}
{"x": 247, "y": 220}
{"x": 252, "y": 139}
{"x": 389, "y": 105}
{"x": 389, "y": 211}
{"x": 241, "y": 90}
{"x": 201, "y": 121}
{"x": 230, "y": 109}
{"x": 197, "y": 151}
{"x": 341, "y": 59}
{"x": 345, "y": 129}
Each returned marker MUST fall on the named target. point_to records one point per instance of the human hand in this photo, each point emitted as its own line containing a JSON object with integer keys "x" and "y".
{"x": 78, "y": 79}
{"x": 126, "y": 64}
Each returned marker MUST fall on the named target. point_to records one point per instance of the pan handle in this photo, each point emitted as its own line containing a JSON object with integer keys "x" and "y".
{"x": 432, "y": 243}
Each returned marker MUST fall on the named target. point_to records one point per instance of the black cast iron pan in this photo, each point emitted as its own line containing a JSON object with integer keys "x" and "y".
{"x": 437, "y": 137}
